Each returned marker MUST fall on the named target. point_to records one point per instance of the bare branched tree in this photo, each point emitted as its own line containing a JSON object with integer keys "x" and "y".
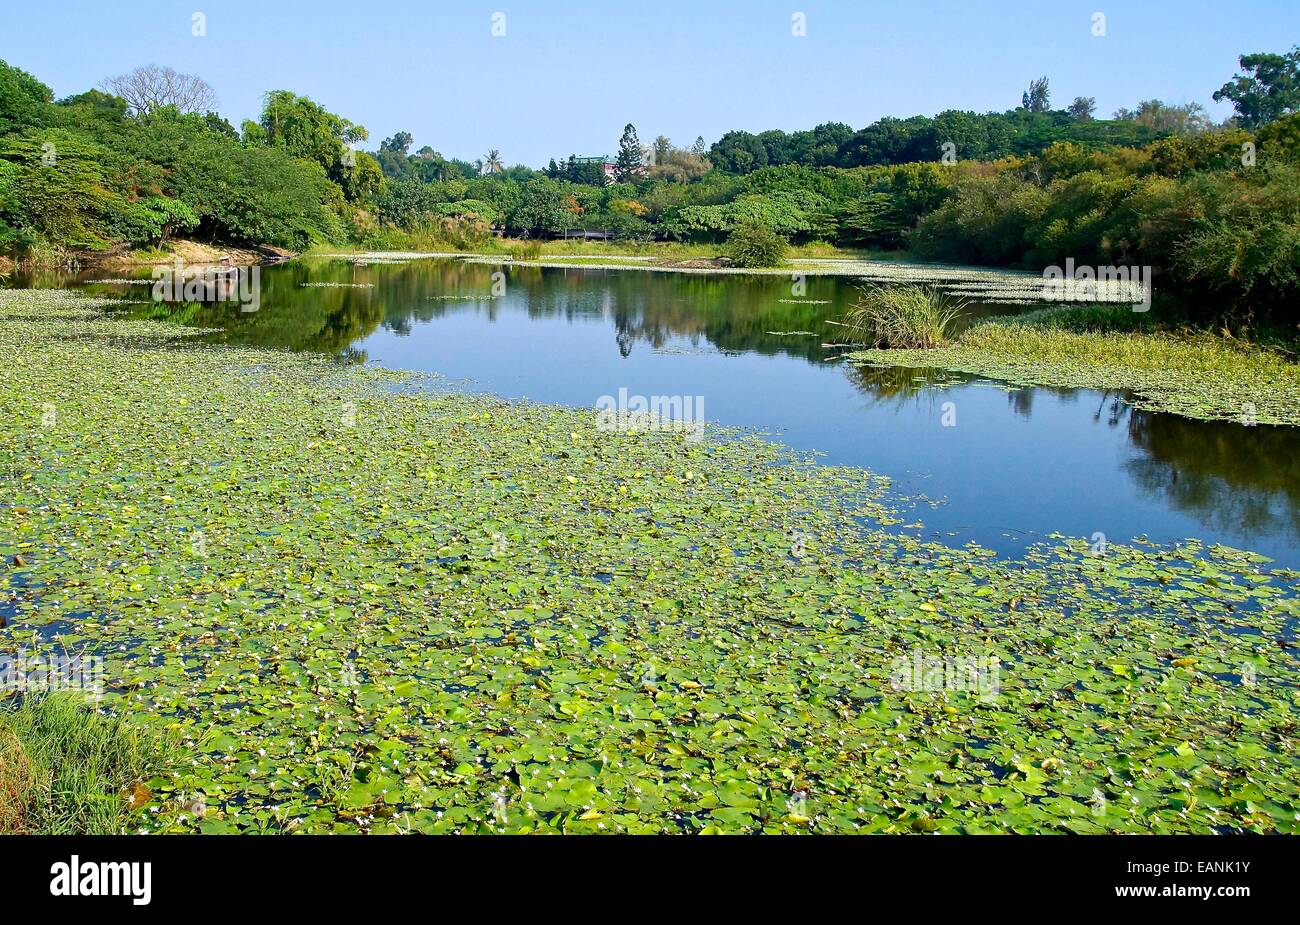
{"x": 148, "y": 88}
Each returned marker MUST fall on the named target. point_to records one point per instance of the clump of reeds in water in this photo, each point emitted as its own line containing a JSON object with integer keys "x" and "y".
{"x": 908, "y": 317}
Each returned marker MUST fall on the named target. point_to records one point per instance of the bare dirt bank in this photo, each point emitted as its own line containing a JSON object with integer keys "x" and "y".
{"x": 195, "y": 254}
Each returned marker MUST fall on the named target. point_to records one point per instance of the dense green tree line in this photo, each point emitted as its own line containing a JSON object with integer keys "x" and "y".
{"x": 87, "y": 173}
{"x": 1217, "y": 216}
{"x": 974, "y": 136}
{"x": 1214, "y": 209}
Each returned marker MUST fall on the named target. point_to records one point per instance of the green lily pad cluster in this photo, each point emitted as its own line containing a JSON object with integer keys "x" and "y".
{"x": 366, "y": 604}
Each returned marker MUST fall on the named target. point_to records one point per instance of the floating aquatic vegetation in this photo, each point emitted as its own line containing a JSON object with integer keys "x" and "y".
{"x": 379, "y": 610}
{"x": 1202, "y": 376}
{"x": 682, "y": 350}
{"x": 337, "y": 285}
{"x": 387, "y": 256}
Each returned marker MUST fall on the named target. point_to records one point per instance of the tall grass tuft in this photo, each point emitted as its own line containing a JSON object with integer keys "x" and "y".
{"x": 66, "y": 769}
{"x": 459, "y": 233}
{"x": 909, "y": 317}
{"x": 526, "y": 250}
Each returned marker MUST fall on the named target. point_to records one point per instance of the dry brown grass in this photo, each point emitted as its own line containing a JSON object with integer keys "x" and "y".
{"x": 17, "y": 783}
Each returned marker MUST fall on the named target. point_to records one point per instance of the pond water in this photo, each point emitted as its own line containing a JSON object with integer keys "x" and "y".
{"x": 1015, "y": 465}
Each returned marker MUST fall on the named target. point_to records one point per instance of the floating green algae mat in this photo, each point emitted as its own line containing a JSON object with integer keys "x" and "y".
{"x": 368, "y": 606}
{"x": 1203, "y": 377}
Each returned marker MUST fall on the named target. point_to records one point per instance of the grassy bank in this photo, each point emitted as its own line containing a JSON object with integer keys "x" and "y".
{"x": 369, "y": 609}
{"x": 1199, "y": 375}
{"x": 66, "y": 769}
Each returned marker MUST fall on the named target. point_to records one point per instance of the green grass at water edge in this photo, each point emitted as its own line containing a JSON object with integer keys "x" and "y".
{"x": 79, "y": 767}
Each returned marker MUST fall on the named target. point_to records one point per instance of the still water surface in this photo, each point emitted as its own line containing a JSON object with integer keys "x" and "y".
{"x": 1018, "y": 464}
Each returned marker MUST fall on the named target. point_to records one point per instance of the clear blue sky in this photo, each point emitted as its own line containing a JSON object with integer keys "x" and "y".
{"x": 568, "y": 75}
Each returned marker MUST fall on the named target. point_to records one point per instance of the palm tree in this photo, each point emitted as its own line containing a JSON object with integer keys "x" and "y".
{"x": 493, "y": 163}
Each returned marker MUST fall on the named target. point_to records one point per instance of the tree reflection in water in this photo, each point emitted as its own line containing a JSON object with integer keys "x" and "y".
{"x": 1227, "y": 476}
{"x": 1230, "y": 478}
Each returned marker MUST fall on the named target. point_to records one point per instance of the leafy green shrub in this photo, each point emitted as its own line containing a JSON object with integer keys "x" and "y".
{"x": 23, "y": 98}
{"x": 151, "y": 220}
{"x": 753, "y": 244}
{"x": 13, "y": 240}
{"x": 986, "y": 221}
{"x": 1245, "y": 246}
{"x": 402, "y": 203}
{"x": 54, "y": 184}
{"x": 260, "y": 195}
{"x": 1281, "y": 139}
{"x": 543, "y": 208}
{"x": 910, "y": 317}
{"x": 469, "y": 209}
